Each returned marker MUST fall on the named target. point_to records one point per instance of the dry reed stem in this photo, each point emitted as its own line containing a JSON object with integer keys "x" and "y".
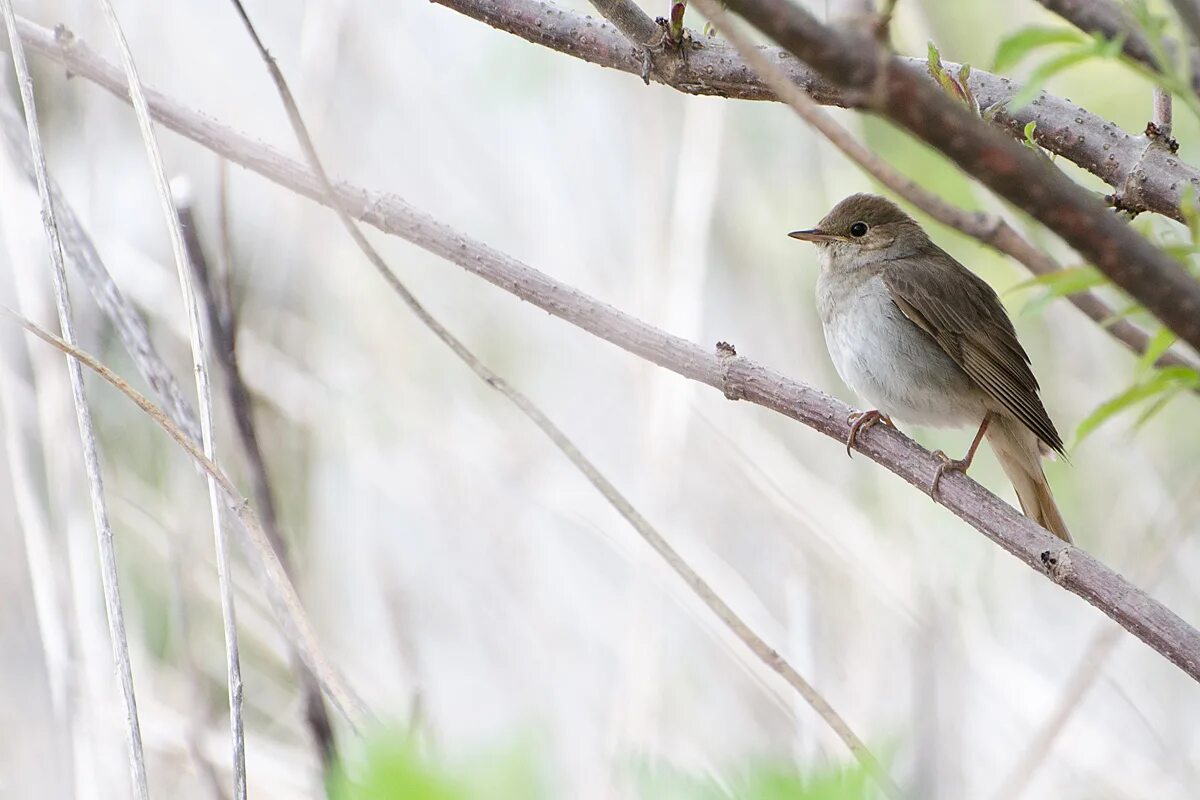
{"x": 114, "y": 609}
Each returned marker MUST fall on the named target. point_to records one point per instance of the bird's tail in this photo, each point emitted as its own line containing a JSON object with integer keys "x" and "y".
{"x": 1017, "y": 449}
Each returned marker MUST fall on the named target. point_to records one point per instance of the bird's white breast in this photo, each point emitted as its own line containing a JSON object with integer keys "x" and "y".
{"x": 886, "y": 359}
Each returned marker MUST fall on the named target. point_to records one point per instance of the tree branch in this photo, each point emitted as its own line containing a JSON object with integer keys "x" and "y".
{"x": 735, "y": 376}
{"x": 1120, "y": 159}
{"x": 893, "y": 89}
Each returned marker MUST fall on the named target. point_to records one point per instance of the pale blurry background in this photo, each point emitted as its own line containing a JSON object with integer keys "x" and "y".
{"x": 464, "y": 577}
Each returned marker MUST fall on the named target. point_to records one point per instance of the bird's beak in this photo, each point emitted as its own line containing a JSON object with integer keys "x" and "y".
{"x": 815, "y": 235}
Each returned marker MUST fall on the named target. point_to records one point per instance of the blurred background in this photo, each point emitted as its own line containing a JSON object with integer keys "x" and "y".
{"x": 509, "y": 629}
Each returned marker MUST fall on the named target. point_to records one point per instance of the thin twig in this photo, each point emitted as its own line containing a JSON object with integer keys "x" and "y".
{"x": 199, "y": 349}
{"x": 1162, "y": 113}
{"x": 560, "y": 440}
{"x": 222, "y": 326}
{"x": 280, "y": 591}
{"x": 104, "y": 535}
{"x": 1142, "y": 616}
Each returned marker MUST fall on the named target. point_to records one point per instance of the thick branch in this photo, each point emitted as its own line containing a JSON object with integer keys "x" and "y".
{"x": 1111, "y": 21}
{"x": 1122, "y": 160}
{"x": 735, "y": 376}
{"x": 895, "y": 90}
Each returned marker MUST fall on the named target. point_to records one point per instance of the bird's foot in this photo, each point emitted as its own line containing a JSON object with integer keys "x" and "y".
{"x": 948, "y": 464}
{"x": 864, "y": 420}
{"x": 958, "y": 464}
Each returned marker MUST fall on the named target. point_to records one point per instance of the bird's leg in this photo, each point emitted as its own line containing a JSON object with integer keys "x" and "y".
{"x": 958, "y": 464}
{"x": 861, "y": 421}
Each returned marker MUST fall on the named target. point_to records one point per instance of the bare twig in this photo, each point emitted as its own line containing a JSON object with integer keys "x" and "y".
{"x": 222, "y": 325}
{"x": 560, "y": 440}
{"x": 199, "y": 349}
{"x": 284, "y": 601}
{"x": 104, "y": 535}
{"x": 739, "y": 377}
{"x": 1162, "y": 113}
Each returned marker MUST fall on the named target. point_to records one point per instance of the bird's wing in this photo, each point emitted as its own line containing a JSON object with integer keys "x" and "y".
{"x": 966, "y": 319}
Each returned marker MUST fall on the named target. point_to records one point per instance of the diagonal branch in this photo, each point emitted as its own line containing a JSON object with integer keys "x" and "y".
{"x": 330, "y": 197}
{"x": 737, "y": 377}
{"x": 894, "y": 90}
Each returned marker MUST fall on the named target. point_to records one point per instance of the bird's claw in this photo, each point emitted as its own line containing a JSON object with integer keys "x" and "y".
{"x": 861, "y": 421}
{"x": 950, "y": 464}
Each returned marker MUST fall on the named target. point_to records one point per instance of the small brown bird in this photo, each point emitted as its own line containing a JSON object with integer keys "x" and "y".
{"x": 923, "y": 339}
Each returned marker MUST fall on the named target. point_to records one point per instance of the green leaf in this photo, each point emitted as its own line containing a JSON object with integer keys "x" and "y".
{"x": 1014, "y": 48}
{"x": 935, "y": 59}
{"x": 1159, "y": 344}
{"x": 1068, "y": 280}
{"x": 1166, "y": 379}
{"x": 394, "y": 770}
{"x": 1158, "y": 405}
{"x": 1122, "y": 313}
{"x": 938, "y": 72}
{"x": 1030, "y": 127}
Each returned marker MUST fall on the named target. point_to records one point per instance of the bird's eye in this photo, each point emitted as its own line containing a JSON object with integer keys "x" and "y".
{"x": 858, "y": 229}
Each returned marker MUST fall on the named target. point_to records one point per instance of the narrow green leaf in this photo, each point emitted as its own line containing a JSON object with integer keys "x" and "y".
{"x": 1068, "y": 280}
{"x": 1014, "y": 48}
{"x": 1158, "y": 405}
{"x": 935, "y": 59}
{"x": 1162, "y": 380}
{"x": 1122, "y": 313}
{"x": 1159, "y": 344}
{"x": 1030, "y": 127}
{"x": 1109, "y": 48}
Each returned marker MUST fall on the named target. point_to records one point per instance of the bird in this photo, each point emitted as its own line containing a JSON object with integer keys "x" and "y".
{"x": 925, "y": 341}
